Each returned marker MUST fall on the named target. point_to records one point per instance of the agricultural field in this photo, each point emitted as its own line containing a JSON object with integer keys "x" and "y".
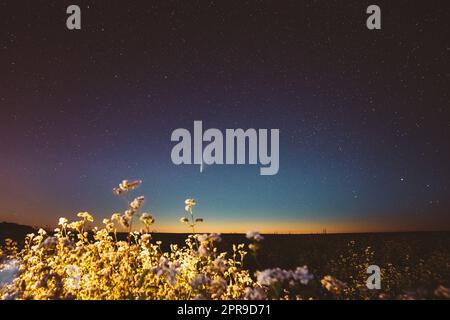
{"x": 227, "y": 266}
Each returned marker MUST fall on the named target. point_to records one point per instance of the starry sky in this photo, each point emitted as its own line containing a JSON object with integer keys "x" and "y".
{"x": 363, "y": 115}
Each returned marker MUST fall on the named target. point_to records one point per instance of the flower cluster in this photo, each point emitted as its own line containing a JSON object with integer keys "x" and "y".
{"x": 126, "y": 186}
{"x": 76, "y": 262}
{"x": 191, "y": 221}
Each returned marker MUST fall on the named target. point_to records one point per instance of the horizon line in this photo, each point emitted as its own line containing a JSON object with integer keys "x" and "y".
{"x": 265, "y": 233}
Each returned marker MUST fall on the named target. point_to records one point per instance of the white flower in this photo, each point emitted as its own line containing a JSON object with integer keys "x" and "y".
{"x": 215, "y": 237}
{"x": 199, "y": 280}
{"x": 130, "y": 213}
{"x": 168, "y": 268}
{"x": 269, "y": 277}
{"x": 220, "y": 264}
{"x": 137, "y": 202}
{"x": 254, "y": 293}
{"x": 126, "y": 186}
{"x": 266, "y": 277}
{"x": 184, "y": 220}
{"x": 254, "y": 235}
{"x": 202, "y": 237}
{"x": 124, "y": 221}
{"x": 115, "y": 217}
{"x": 62, "y": 221}
{"x": 147, "y": 219}
{"x": 203, "y": 250}
{"x": 50, "y": 243}
{"x": 8, "y": 271}
{"x": 205, "y": 238}
{"x": 302, "y": 274}
{"x": 85, "y": 216}
{"x": 74, "y": 277}
{"x": 145, "y": 238}
{"x": 190, "y": 202}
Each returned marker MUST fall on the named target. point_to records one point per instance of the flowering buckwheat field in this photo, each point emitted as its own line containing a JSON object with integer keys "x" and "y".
{"x": 75, "y": 262}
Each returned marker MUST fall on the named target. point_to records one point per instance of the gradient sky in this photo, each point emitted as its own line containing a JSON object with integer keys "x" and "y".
{"x": 363, "y": 115}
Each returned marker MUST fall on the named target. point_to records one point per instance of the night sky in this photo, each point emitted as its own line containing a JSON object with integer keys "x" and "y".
{"x": 363, "y": 115}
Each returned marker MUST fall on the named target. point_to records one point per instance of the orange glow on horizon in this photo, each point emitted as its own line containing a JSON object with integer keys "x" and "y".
{"x": 299, "y": 226}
